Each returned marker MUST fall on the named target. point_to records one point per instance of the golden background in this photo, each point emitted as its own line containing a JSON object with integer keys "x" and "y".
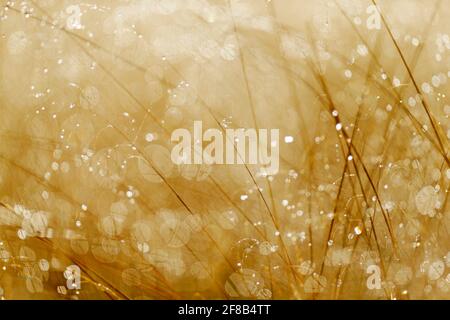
{"x": 85, "y": 171}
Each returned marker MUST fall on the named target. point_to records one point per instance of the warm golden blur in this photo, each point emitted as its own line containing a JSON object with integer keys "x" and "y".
{"x": 90, "y": 92}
